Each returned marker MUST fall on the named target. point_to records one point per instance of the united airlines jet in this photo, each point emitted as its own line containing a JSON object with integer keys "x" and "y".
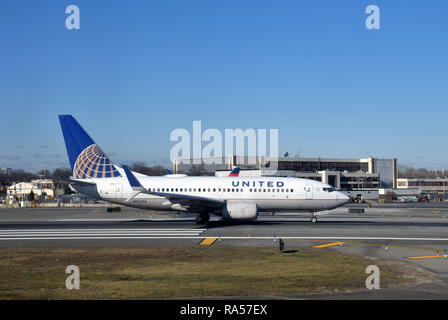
{"x": 233, "y": 197}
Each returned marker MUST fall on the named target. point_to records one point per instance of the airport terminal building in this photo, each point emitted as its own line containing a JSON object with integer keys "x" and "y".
{"x": 427, "y": 185}
{"x": 345, "y": 174}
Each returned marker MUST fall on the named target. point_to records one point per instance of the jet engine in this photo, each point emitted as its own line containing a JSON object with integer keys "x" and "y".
{"x": 240, "y": 210}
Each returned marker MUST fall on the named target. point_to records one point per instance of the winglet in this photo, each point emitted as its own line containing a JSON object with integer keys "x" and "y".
{"x": 235, "y": 172}
{"x": 135, "y": 184}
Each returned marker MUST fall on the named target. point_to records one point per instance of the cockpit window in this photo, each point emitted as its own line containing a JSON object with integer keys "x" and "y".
{"x": 328, "y": 189}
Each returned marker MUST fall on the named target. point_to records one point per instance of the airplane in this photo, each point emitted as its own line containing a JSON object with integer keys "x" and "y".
{"x": 234, "y": 198}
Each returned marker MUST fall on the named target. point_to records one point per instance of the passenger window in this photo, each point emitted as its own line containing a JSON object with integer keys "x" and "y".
{"x": 176, "y": 189}
{"x": 292, "y": 190}
{"x": 214, "y": 190}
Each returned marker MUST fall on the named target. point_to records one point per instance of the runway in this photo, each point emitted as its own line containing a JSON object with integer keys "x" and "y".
{"x": 414, "y": 235}
{"x": 94, "y": 226}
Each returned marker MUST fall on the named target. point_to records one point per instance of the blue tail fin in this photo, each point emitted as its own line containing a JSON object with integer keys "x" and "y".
{"x": 87, "y": 160}
{"x": 235, "y": 172}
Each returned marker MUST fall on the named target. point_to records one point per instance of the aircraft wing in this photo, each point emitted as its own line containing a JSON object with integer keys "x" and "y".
{"x": 183, "y": 202}
{"x": 185, "y": 198}
{"x": 178, "y": 200}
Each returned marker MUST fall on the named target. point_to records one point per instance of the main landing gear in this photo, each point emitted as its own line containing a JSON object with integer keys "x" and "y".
{"x": 202, "y": 218}
{"x": 313, "y": 219}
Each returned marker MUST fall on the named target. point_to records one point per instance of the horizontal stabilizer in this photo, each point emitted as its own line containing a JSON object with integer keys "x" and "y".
{"x": 72, "y": 181}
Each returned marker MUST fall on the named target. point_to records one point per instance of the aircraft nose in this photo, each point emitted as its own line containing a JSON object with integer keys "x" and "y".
{"x": 343, "y": 197}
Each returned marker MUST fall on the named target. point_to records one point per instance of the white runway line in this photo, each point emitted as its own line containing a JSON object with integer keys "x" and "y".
{"x": 98, "y": 230}
{"x": 121, "y": 219}
{"x": 333, "y": 238}
{"x": 75, "y": 234}
{"x": 159, "y": 234}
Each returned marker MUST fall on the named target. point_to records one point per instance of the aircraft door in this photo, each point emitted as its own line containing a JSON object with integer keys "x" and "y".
{"x": 118, "y": 191}
{"x": 309, "y": 192}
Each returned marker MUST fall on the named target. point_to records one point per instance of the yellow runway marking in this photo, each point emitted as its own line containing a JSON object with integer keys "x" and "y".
{"x": 427, "y": 257}
{"x": 394, "y": 245}
{"x": 329, "y": 245}
{"x": 207, "y": 241}
{"x": 435, "y": 211}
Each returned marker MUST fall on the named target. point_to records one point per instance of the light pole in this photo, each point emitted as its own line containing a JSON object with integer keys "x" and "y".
{"x": 44, "y": 169}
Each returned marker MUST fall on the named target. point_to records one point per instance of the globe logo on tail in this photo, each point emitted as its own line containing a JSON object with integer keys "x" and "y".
{"x": 93, "y": 163}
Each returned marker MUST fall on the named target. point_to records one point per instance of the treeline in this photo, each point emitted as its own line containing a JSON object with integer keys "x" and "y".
{"x": 420, "y": 173}
{"x": 20, "y": 175}
{"x": 142, "y": 168}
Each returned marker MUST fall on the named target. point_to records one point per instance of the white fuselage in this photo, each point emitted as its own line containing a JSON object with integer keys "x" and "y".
{"x": 268, "y": 193}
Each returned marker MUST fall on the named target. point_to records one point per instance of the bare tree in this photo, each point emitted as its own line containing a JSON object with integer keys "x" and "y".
{"x": 197, "y": 170}
{"x": 61, "y": 173}
{"x": 20, "y": 175}
{"x": 142, "y": 168}
{"x": 420, "y": 173}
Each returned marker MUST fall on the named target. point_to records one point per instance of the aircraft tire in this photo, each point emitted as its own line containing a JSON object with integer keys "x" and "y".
{"x": 203, "y": 218}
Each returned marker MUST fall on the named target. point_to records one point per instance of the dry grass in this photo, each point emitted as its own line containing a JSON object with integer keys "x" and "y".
{"x": 167, "y": 272}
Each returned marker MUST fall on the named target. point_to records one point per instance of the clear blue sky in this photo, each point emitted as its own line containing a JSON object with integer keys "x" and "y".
{"x": 137, "y": 70}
